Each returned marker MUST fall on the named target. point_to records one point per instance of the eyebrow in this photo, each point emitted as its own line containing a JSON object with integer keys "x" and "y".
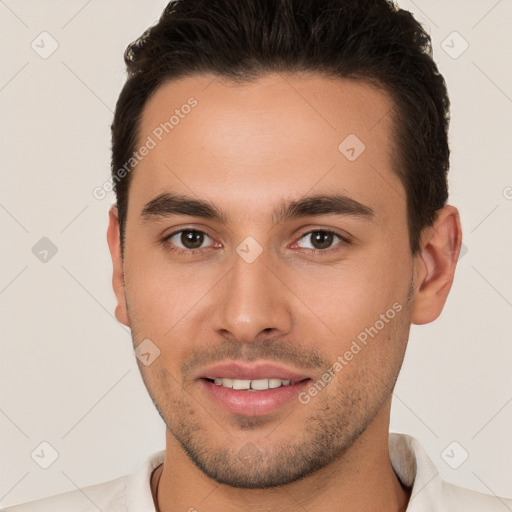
{"x": 168, "y": 204}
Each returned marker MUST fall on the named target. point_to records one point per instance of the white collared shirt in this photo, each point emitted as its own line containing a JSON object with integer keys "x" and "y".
{"x": 132, "y": 493}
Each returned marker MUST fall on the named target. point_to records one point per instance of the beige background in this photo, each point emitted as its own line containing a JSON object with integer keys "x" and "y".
{"x": 68, "y": 374}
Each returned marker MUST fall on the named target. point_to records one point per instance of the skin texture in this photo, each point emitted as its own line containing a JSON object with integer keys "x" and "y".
{"x": 246, "y": 148}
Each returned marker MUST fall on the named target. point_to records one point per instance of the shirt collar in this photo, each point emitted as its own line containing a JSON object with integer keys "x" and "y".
{"x": 138, "y": 485}
{"x": 413, "y": 467}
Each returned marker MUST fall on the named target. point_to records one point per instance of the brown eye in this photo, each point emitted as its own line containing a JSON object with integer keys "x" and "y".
{"x": 188, "y": 239}
{"x": 320, "y": 240}
{"x": 192, "y": 239}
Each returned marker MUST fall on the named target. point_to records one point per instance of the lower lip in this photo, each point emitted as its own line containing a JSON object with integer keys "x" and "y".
{"x": 252, "y": 403}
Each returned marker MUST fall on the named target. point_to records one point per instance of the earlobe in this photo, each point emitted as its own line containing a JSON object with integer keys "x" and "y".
{"x": 435, "y": 265}
{"x": 118, "y": 284}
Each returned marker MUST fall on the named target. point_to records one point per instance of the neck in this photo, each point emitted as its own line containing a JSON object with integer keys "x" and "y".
{"x": 362, "y": 479}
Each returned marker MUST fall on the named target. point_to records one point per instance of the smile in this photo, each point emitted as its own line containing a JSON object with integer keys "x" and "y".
{"x": 253, "y": 385}
{"x": 251, "y": 388}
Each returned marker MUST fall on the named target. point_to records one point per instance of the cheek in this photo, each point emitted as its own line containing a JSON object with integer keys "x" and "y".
{"x": 353, "y": 294}
{"x": 366, "y": 365}
{"x": 361, "y": 307}
{"x": 166, "y": 305}
{"x": 160, "y": 294}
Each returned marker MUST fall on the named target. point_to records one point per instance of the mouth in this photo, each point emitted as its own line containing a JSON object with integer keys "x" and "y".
{"x": 251, "y": 390}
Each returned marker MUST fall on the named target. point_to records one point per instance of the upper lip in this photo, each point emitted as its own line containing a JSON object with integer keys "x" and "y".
{"x": 250, "y": 371}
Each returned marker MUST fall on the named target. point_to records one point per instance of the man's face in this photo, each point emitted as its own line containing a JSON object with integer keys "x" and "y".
{"x": 256, "y": 294}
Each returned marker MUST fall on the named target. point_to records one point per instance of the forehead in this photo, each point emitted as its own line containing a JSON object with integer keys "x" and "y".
{"x": 277, "y": 137}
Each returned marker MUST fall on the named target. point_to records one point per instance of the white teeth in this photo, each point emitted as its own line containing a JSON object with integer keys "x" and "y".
{"x": 259, "y": 384}
{"x": 274, "y": 383}
{"x": 256, "y": 385}
{"x": 241, "y": 384}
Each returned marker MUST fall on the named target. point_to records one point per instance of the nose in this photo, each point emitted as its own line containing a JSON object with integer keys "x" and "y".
{"x": 251, "y": 302}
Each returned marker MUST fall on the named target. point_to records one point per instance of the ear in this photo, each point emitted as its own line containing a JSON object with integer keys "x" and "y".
{"x": 434, "y": 266}
{"x": 114, "y": 244}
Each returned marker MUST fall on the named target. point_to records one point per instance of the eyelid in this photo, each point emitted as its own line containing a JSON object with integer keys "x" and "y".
{"x": 175, "y": 231}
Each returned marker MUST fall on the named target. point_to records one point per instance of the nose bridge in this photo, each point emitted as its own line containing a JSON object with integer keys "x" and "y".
{"x": 252, "y": 298}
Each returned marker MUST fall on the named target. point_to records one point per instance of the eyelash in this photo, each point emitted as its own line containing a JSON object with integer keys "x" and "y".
{"x": 345, "y": 241}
